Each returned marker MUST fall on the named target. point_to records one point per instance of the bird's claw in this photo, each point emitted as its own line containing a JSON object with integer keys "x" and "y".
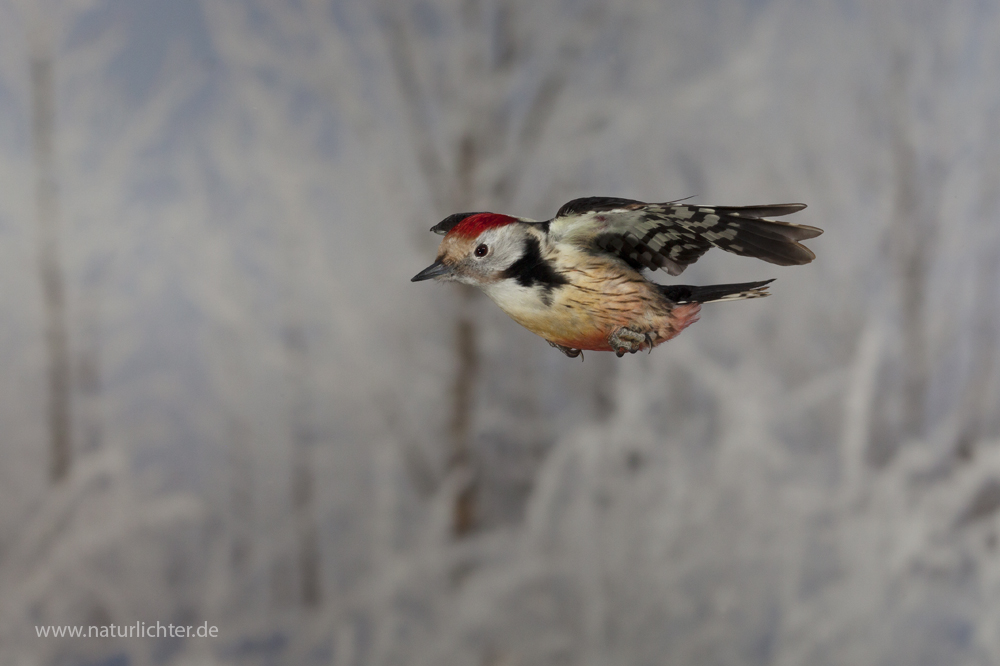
{"x": 626, "y": 340}
{"x": 569, "y": 351}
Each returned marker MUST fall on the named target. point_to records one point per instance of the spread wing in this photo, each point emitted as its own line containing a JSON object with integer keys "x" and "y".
{"x": 673, "y": 235}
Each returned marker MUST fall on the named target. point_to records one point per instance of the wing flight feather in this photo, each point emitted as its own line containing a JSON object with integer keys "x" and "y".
{"x": 672, "y": 235}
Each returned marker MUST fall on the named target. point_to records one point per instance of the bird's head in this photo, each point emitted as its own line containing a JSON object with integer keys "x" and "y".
{"x": 477, "y": 248}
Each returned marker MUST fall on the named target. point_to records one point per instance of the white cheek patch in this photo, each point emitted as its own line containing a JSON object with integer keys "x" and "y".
{"x": 505, "y": 249}
{"x": 513, "y": 297}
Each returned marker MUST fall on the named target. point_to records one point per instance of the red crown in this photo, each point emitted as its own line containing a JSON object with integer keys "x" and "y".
{"x": 476, "y": 224}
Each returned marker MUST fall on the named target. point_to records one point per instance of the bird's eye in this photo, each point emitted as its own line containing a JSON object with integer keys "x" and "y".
{"x": 481, "y": 250}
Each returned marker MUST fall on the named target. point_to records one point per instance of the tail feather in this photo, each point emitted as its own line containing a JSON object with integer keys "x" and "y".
{"x": 682, "y": 293}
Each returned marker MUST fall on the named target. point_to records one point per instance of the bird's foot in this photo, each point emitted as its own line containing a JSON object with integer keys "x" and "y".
{"x": 569, "y": 351}
{"x": 626, "y": 340}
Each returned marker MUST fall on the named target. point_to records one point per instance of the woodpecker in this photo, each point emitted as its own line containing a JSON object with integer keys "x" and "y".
{"x": 576, "y": 280}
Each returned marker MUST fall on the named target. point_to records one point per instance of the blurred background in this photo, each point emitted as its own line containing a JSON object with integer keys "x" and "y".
{"x": 222, "y": 400}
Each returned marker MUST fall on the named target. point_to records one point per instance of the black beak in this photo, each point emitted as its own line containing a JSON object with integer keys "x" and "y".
{"x": 437, "y": 269}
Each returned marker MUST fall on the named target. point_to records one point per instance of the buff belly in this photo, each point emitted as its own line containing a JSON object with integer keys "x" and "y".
{"x": 593, "y": 332}
{"x": 584, "y": 313}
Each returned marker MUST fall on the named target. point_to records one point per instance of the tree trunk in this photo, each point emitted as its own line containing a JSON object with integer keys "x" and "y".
{"x": 50, "y": 268}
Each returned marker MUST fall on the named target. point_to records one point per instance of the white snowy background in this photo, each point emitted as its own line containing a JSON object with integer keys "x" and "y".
{"x": 272, "y": 430}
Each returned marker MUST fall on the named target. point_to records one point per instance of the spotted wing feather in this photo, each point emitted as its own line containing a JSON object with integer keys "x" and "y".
{"x": 673, "y": 235}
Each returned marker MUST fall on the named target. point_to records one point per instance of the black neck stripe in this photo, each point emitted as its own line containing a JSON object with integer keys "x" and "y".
{"x": 531, "y": 270}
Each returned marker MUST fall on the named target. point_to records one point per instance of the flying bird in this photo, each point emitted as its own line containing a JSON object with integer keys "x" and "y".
{"x": 576, "y": 280}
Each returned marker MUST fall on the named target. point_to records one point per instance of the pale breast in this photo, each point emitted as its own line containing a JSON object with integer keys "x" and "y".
{"x": 597, "y": 297}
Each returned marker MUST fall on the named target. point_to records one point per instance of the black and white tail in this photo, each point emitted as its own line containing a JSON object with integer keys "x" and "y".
{"x": 682, "y": 293}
